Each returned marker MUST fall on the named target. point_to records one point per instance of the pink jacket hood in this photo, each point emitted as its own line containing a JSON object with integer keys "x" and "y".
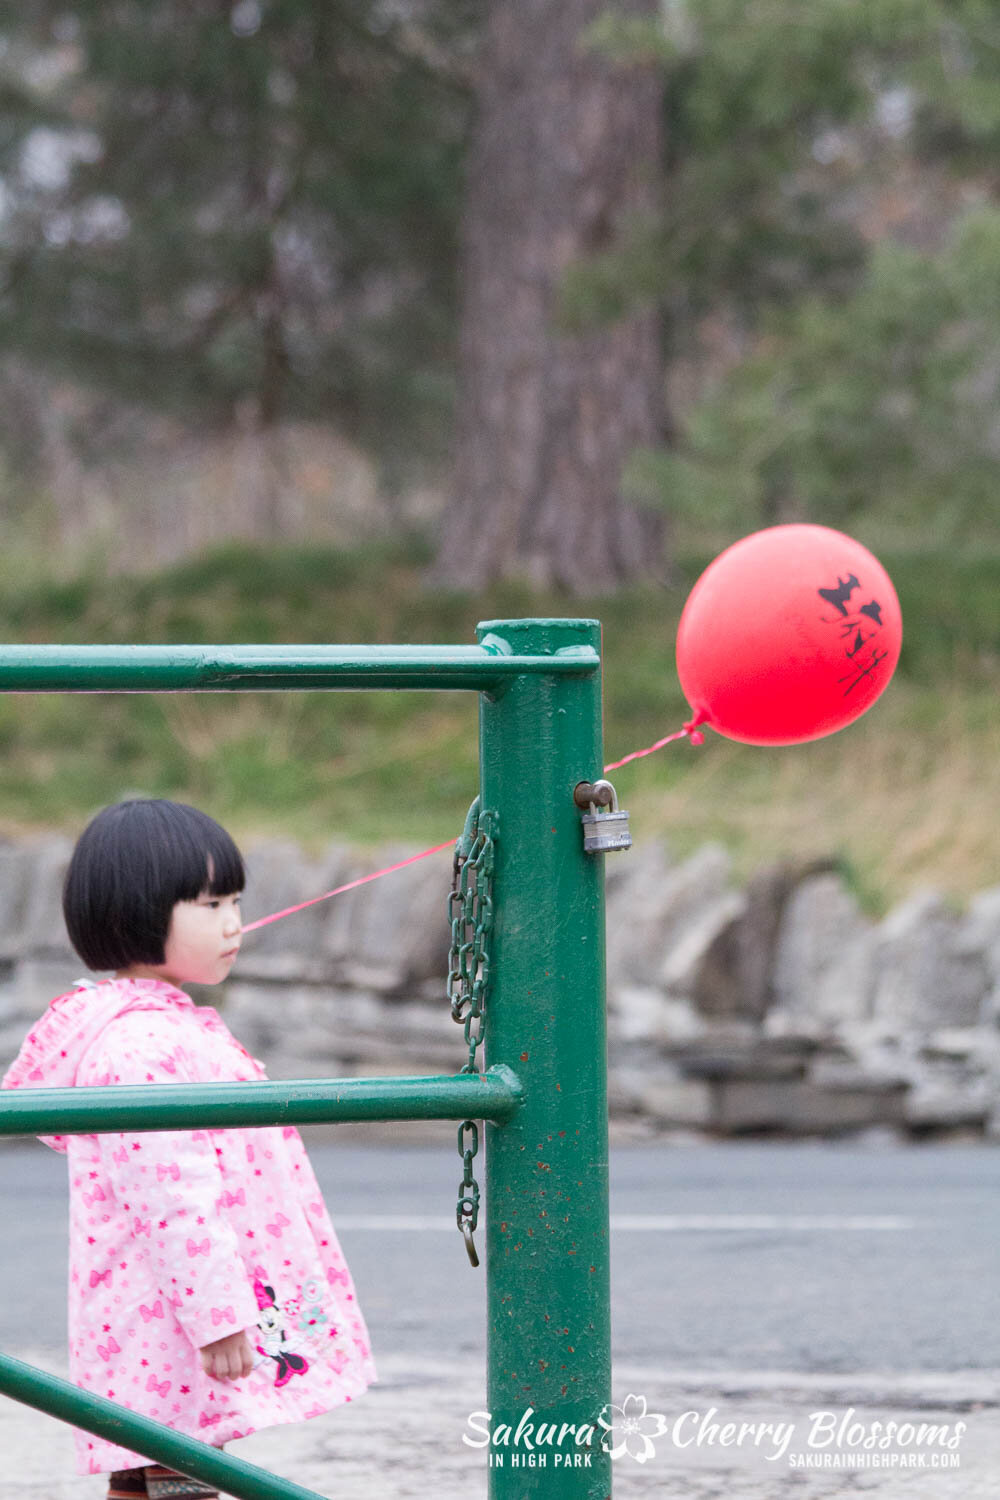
{"x": 51, "y": 1053}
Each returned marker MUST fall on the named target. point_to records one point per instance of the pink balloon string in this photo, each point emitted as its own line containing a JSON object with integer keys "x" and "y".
{"x": 350, "y": 886}
{"x": 690, "y": 730}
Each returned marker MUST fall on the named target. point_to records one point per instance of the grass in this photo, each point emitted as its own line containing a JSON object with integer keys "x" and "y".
{"x": 904, "y": 797}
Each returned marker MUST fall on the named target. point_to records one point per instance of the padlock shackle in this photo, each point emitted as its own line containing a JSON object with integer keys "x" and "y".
{"x": 593, "y": 793}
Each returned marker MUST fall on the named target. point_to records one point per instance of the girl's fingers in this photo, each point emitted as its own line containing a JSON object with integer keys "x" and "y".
{"x": 228, "y": 1360}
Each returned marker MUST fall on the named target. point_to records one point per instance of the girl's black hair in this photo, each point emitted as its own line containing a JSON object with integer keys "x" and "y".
{"x": 130, "y": 867}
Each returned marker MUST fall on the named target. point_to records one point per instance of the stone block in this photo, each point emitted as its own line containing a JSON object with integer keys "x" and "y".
{"x": 828, "y": 1108}
{"x": 687, "y": 963}
{"x": 822, "y": 958}
{"x": 754, "y": 939}
{"x": 338, "y": 917}
{"x": 16, "y": 879}
{"x": 44, "y": 930}
{"x": 652, "y": 903}
{"x": 676, "y": 1101}
{"x": 29, "y": 986}
{"x": 740, "y": 1105}
{"x": 279, "y": 875}
{"x": 798, "y": 1106}
{"x": 760, "y": 1059}
{"x": 398, "y": 925}
{"x": 933, "y": 1109}
{"x": 640, "y": 1013}
{"x": 977, "y": 1046}
{"x": 979, "y": 933}
{"x": 378, "y": 979}
{"x": 926, "y": 974}
{"x": 301, "y": 1019}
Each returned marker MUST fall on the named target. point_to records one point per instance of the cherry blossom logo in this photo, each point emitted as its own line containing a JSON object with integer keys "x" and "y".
{"x": 630, "y": 1427}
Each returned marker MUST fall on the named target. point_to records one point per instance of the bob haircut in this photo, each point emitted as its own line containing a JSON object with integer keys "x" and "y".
{"x": 130, "y": 867}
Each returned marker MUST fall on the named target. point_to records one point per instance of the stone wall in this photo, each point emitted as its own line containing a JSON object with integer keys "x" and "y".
{"x": 777, "y": 1006}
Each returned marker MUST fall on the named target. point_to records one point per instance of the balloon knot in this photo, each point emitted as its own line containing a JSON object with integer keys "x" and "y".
{"x": 692, "y": 731}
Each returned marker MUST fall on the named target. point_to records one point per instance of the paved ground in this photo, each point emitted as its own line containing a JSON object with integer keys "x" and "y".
{"x": 747, "y": 1255}
{"x": 404, "y": 1439}
{"x": 750, "y": 1284}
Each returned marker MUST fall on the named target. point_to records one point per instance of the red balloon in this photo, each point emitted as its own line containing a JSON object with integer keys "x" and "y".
{"x": 789, "y": 635}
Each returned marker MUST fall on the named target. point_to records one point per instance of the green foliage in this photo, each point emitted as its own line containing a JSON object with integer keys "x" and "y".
{"x": 749, "y": 216}
{"x": 883, "y": 403}
{"x": 868, "y": 390}
{"x": 754, "y": 208}
{"x": 261, "y": 217}
{"x": 262, "y": 205}
{"x": 946, "y": 52}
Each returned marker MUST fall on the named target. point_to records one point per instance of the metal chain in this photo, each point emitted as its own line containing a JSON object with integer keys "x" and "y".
{"x": 470, "y": 909}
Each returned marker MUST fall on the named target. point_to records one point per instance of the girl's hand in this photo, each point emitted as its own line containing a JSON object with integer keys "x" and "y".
{"x": 230, "y": 1358}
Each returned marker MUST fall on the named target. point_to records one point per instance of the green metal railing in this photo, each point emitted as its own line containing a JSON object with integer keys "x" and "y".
{"x": 227, "y": 1106}
{"x": 543, "y": 1096}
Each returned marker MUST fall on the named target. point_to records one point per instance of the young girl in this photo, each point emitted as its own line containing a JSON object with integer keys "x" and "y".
{"x": 207, "y": 1287}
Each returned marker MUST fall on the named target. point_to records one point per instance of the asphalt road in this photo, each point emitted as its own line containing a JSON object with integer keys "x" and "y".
{"x": 750, "y": 1284}
{"x": 806, "y": 1258}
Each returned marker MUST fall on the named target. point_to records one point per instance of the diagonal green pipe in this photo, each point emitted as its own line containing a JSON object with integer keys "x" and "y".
{"x": 128, "y": 1429}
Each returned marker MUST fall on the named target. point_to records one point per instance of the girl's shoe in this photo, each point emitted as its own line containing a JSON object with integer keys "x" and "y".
{"x": 167, "y": 1484}
{"x": 127, "y": 1484}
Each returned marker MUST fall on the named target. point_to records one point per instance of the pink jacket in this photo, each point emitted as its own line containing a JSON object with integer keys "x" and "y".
{"x": 178, "y": 1237}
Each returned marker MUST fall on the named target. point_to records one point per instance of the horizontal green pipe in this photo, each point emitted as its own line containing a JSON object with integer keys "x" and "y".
{"x": 234, "y": 1476}
{"x": 493, "y": 1095}
{"x": 171, "y": 669}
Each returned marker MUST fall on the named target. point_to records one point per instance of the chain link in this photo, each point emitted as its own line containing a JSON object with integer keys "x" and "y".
{"x": 470, "y": 909}
{"x": 467, "y": 1209}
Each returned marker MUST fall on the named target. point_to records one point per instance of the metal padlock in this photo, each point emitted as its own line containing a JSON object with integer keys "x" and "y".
{"x": 603, "y": 831}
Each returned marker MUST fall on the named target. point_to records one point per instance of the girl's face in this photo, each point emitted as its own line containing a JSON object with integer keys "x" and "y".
{"x": 203, "y": 940}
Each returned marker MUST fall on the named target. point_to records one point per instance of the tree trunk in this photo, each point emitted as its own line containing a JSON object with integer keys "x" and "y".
{"x": 566, "y": 148}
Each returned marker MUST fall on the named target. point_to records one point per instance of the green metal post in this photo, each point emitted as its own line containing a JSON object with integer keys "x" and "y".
{"x": 548, "y": 1333}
